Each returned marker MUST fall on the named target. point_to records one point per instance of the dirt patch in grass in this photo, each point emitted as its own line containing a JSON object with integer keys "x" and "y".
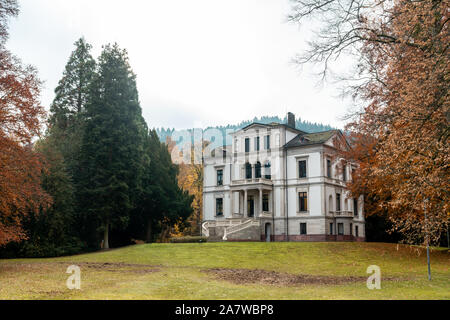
{"x": 239, "y": 276}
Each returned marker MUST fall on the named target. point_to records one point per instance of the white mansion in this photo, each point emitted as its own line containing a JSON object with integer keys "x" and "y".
{"x": 278, "y": 183}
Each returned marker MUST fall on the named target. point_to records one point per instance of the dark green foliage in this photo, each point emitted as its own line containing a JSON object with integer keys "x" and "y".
{"x": 112, "y": 146}
{"x": 161, "y": 199}
{"x": 189, "y": 239}
{"x": 51, "y": 232}
{"x": 105, "y": 170}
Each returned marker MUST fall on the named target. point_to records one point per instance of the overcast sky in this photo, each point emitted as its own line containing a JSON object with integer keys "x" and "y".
{"x": 198, "y": 62}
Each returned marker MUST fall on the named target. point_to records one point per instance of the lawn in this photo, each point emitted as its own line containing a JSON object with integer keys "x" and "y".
{"x": 259, "y": 271}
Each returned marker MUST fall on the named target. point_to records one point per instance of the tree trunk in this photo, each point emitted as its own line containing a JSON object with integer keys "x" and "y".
{"x": 106, "y": 236}
{"x": 148, "y": 237}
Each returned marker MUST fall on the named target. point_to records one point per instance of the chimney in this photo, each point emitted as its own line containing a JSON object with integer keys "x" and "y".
{"x": 291, "y": 120}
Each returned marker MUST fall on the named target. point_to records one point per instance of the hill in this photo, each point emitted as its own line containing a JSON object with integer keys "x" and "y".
{"x": 300, "y": 124}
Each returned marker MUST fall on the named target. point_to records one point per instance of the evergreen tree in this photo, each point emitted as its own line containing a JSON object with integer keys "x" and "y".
{"x": 162, "y": 202}
{"x": 112, "y": 145}
{"x": 72, "y": 92}
{"x": 68, "y": 108}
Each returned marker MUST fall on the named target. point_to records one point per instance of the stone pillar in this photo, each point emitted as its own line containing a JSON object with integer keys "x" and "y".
{"x": 260, "y": 201}
{"x": 245, "y": 204}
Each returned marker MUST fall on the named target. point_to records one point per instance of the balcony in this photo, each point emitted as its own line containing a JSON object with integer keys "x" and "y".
{"x": 344, "y": 214}
{"x": 253, "y": 181}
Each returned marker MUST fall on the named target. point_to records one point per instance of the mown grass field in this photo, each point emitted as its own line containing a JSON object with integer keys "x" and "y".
{"x": 177, "y": 271}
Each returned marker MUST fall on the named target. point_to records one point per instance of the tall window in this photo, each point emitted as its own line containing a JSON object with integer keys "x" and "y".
{"x": 328, "y": 168}
{"x": 331, "y": 228}
{"x": 258, "y": 170}
{"x": 248, "y": 171}
{"x": 220, "y": 177}
{"x": 303, "y": 201}
{"x": 356, "y": 231}
{"x": 219, "y": 206}
{"x": 257, "y": 143}
{"x": 344, "y": 173}
{"x": 247, "y": 144}
{"x": 355, "y": 207}
{"x": 267, "y": 171}
{"x": 302, "y": 169}
{"x": 351, "y": 229}
{"x": 265, "y": 202}
{"x": 338, "y": 202}
{"x": 303, "y": 228}
{"x": 340, "y": 229}
{"x": 267, "y": 142}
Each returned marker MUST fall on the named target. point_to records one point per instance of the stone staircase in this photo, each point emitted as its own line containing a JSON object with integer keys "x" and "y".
{"x": 222, "y": 230}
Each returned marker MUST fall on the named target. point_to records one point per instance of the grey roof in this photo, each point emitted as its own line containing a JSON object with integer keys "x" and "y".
{"x": 311, "y": 138}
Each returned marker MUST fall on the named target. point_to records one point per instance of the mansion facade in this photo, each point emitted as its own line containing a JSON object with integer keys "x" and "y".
{"x": 278, "y": 183}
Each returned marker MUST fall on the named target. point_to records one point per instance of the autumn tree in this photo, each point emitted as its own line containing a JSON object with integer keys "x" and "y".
{"x": 401, "y": 78}
{"x": 21, "y": 117}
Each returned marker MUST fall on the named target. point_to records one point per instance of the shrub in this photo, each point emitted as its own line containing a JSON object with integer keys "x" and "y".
{"x": 188, "y": 239}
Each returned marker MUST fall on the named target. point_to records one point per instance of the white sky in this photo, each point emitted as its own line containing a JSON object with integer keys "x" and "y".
{"x": 198, "y": 62}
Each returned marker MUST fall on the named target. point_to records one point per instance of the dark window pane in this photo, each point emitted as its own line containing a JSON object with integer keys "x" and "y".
{"x": 257, "y": 143}
{"x": 340, "y": 229}
{"x": 338, "y": 202}
{"x": 219, "y": 177}
{"x": 247, "y": 144}
{"x": 265, "y": 202}
{"x": 219, "y": 206}
{"x": 248, "y": 171}
{"x": 302, "y": 169}
{"x": 303, "y": 201}
{"x": 267, "y": 171}
{"x": 355, "y": 207}
{"x": 328, "y": 168}
{"x": 258, "y": 170}
{"x": 331, "y": 228}
{"x": 303, "y": 228}
{"x": 267, "y": 142}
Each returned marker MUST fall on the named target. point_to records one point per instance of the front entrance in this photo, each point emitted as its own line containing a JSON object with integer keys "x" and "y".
{"x": 268, "y": 230}
{"x": 251, "y": 206}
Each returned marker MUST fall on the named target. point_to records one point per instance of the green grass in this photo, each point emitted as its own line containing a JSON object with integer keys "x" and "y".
{"x": 180, "y": 273}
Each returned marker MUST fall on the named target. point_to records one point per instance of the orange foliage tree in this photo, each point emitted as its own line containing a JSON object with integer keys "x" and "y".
{"x": 400, "y": 135}
{"x": 21, "y": 117}
{"x": 190, "y": 178}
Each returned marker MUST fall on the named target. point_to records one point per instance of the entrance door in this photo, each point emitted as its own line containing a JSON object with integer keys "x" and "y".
{"x": 268, "y": 231}
{"x": 251, "y": 207}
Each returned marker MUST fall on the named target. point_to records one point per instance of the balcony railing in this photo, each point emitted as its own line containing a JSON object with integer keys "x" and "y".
{"x": 252, "y": 181}
{"x": 343, "y": 213}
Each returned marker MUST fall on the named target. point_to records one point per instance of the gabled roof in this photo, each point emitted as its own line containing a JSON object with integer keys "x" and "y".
{"x": 311, "y": 138}
{"x": 271, "y": 125}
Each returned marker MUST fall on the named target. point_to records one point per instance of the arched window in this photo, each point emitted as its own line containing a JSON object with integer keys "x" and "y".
{"x": 267, "y": 171}
{"x": 248, "y": 171}
{"x": 258, "y": 170}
